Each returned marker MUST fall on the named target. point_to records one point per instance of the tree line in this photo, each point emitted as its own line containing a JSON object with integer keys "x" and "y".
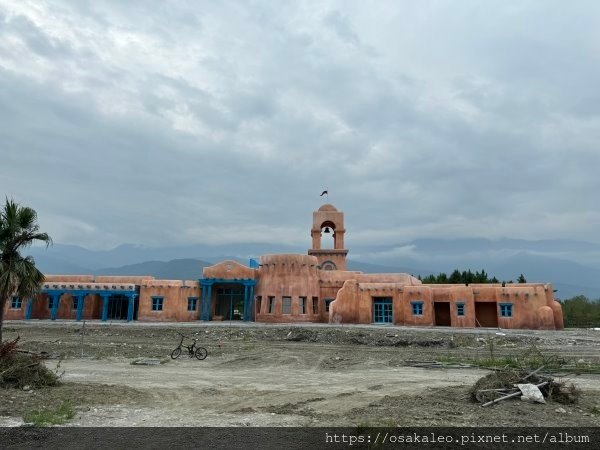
{"x": 466, "y": 277}
{"x": 580, "y": 311}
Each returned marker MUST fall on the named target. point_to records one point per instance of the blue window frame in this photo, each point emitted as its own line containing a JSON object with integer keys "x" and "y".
{"x": 460, "y": 309}
{"x": 417, "y": 308}
{"x": 16, "y": 303}
{"x": 192, "y": 303}
{"x": 506, "y": 309}
{"x": 157, "y": 303}
{"x": 75, "y": 302}
{"x": 382, "y": 310}
{"x": 50, "y": 302}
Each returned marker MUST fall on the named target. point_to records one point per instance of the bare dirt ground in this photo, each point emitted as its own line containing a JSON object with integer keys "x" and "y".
{"x": 289, "y": 375}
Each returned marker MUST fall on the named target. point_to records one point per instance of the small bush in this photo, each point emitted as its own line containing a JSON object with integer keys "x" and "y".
{"x": 20, "y": 370}
{"x": 56, "y": 416}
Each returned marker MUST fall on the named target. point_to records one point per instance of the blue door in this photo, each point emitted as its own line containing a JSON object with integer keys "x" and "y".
{"x": 382, "y": 310}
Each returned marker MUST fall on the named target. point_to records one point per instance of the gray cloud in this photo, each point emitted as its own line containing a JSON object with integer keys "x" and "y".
{"x": 167, "y": 123}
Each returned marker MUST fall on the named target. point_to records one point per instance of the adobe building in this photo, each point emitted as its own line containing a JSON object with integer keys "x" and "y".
{"x": 290, "y": 288}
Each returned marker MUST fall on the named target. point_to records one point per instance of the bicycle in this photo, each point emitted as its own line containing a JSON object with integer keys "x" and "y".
{"x": 193, "y": 350}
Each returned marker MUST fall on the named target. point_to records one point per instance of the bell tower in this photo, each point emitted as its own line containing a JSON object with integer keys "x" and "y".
{"x": 327, "y": 219}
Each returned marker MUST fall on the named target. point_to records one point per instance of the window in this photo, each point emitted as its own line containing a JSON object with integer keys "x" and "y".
{"x": 315, "y": 305}
{"x": 157, "y": 303}
{"x": 417, "y": 308}
{"x": 258, "y": 303}
{"x": 192, "y": 303}
{"x": 50, "y": 302}
{"x": 75, "y": 302}
{"x": 460, "y": 309}
{"x": 286, "y": 305}
{"x": 16, "y": 303}
{"x": 506, "y": 309}
{"x": 302, "y": 305}
{"x": 382, "y": 310}
{"x": 327, "y": 303}
{"x": 271, "y": 305}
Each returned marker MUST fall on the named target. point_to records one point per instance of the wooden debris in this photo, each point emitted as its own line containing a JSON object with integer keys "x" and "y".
{"x": 514, "y": 394}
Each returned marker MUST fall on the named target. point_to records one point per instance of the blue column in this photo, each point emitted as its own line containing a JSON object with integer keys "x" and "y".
{"x": 29, "y": 309}
{"x": 251, "y": 304}
{"x": 131, "y": 307}
{"x": 105, "y": 298}
{"x": 201, "y": 308}
{"x": 206, "y": 300}
{"x": 81, "y": 299}
{"x": 246, "y": 301}
{"x": 55, "y": 303}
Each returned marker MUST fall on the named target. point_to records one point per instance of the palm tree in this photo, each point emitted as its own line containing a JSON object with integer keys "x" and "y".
{"x": 18, "y": 275}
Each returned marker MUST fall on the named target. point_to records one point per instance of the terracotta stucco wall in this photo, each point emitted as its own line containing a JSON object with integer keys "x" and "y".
{"x": 175, "y": 294}
{"x": 70, "y": 278}
{"x": 14, "y": 314}
{"x": 231, "y": 270}
{"x": 533, "y": 305}
{"x": 292, "y": 276}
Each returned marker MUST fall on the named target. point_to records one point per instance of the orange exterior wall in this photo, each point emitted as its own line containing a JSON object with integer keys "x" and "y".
{"x": 533, "y": 305}
{"x": 292, "y": 276}
{"x": 175, "y": 304}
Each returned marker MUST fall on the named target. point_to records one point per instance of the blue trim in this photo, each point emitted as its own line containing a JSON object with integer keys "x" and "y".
{"x": 55, "y": 303}
{"x": 253, "y": 264}
{"x": 158, "y": 302}
{"x": 80, "y": 307}
{"x": 383, "y": 310}
{"x": 29, "y": 309}
{"x": 460, "y": 309}
{"x": 131, "y": 307}
{"x": 417, "y": 308}
{"x": 105, "y": 298}
{"x": 16, "y": 302}
{"x": 205, "y": 307}
{"x": 206, "y": 302}
{"x": 211, "y": 281}
{"x": 506, "y": 309}
{"x": 192, "y": 303}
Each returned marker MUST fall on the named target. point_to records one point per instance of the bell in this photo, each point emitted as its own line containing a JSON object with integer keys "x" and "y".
{"x": 326, "y": 230}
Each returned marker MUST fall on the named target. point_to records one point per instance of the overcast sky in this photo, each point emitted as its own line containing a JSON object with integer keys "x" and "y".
{"x": 172, "y": 122}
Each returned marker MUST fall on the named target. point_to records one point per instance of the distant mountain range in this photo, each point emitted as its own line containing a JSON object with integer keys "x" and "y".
{"x": 573, "y": 267}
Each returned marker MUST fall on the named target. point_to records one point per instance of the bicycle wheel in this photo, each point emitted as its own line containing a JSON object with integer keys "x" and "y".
{"x": 175, "y": 353}
{"x": 201, "y": 353}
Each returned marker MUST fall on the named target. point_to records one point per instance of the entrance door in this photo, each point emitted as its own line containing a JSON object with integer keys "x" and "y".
{"x": 442, "y": 314}
{"x": 230, "y": 303}
{"x": 117, "y": 307}
{"x": 486, "y": 314}
{"x": 382, "y": 310}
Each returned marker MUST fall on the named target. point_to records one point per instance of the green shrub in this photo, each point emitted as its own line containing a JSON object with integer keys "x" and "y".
{"x": 55, "y": 416}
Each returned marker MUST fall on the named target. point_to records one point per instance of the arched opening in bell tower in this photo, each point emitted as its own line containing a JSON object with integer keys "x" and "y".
{"x": 327, "y": 235}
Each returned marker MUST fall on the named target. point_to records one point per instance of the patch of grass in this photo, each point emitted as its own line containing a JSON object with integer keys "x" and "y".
{"x": 595, "y": 410}
{"x": 54, "y": 416}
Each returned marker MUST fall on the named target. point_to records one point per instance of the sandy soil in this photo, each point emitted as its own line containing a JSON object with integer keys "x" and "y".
{"x": 290, "y": 376}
